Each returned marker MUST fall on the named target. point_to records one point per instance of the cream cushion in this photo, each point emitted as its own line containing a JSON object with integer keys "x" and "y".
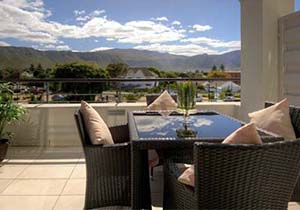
{"x": 244, "y": 135}
{"x": 163, "y": 102}
{"x": 275, "y": 119}
{"x": 188, "y": 176}
{"x": 95, "y": 126}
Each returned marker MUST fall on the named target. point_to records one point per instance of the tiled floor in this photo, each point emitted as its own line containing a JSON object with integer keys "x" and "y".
{"x": 42, "y": 179}
{"x": 53, "y": 179}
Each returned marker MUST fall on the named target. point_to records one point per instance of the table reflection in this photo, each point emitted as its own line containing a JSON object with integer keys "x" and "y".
{"x": 205, "y": 125}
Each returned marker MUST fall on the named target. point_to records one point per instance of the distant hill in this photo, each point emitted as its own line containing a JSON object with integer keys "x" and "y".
{"x": 22, "y": 57}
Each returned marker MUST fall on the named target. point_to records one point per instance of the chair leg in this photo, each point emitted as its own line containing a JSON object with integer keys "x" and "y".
{"x": 151, "y": 173}
{"x": 296, "y": 193}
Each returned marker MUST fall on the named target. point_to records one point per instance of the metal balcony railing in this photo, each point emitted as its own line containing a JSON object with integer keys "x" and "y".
{"x": 73, "y": 90}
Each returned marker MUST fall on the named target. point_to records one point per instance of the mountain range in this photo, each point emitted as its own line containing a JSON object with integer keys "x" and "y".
{"x": 22, "y": 57}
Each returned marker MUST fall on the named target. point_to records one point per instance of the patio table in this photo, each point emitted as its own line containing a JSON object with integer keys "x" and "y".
{"x": 151, "y": 130}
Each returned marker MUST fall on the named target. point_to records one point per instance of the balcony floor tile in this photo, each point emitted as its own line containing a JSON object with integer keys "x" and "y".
{"x": 35, "y": 187}
{"x": 27, "y": 202}
{"x": 54, "y": 178}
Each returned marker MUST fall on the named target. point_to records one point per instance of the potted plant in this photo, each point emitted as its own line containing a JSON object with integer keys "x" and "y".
{"x": 9, "y": 112}
{"x": 186, "y": 105}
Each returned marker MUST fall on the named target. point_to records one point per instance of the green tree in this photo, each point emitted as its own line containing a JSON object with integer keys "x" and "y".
{"x": 214, "y": 68}
{"x": 9, "y": 73}
{"x": 222, "y": 67}
{"x": 80, "y": 70}
{"x": 183, "y": 75}
{"x": 31, "y": 68}
{"x": 217, "y": 74}
{"x": 116, "y": 69}
{"x": 39, "y": 72}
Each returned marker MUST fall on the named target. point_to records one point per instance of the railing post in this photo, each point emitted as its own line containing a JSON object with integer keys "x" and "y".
{"x": 47, "y": 92}
{"x": 18, "y": 88}
{"x": 209, "y": 99}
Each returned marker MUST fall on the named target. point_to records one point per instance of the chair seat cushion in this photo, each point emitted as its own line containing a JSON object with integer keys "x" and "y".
{"x": 275, "y": 119}
{"x": 113, "y": 208}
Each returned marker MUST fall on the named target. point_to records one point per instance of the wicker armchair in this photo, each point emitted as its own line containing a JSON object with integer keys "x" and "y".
{"x": 295, "y": 118}
{"x": 108, "y": 181}
{"x": 236, "y": 177}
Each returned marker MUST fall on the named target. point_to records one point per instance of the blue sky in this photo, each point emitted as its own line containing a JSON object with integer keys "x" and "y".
{"x": 185, "y": 27}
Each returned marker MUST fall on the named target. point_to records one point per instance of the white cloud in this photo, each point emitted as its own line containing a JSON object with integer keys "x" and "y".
{"x": 63, "y": 47}
{"x": 176, "y": 22}
{"x": 28, "y": 20}
{"x": 19, "y": 22}
{"x": 101, "y": 49}
{"x": 24, "y": 21}
{"x": 4, "y": 44}
{"x": 53, "y": 47}
{"x": 79, "y": 12}
{"x": 81, "y": 18}
{"x": 160, "y": 19}
{"x": 215, "y": 43}
{"x": 201, "y": 28}
{"x": 98, "y": 12}
{"x": 187, "y": 50}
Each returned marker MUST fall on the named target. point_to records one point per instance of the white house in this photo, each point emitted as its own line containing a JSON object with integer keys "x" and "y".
{"x": 229, "y": 85}
{"x": 139, "y": 73}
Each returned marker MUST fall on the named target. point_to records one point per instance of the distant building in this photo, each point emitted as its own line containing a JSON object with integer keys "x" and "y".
{"x": 231, "y": 86}
{"x": 26, "y": 75}
{"x": 139, "y": 73}
{"x": 217, "y": 86}
{"x": 235, "y": 75}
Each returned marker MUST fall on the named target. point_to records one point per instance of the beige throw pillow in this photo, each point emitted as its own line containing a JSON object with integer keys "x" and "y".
{"x": 275, "y": 119}
{"x": 95, "y": 126}
{"x": 163, "y": 102}
{"x": 188, "y": 176}
{"x": 244, "y": 135}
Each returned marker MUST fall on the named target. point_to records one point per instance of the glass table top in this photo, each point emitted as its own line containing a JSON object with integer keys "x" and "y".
{"x": 151, "y": 125}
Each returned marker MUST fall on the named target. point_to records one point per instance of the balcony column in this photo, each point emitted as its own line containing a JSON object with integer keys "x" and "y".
{"x": 259, "y": 51}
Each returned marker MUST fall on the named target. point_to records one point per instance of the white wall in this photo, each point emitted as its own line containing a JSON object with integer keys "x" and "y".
{"x": 54, "y": 125}
{"x": 289, "y": 58}
{"x": 259, "y": 57}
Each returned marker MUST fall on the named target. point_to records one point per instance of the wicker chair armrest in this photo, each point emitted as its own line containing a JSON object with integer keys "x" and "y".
{"x": 120, "y": 133}
{"x": 108, "y": 173}
{"x": 176, "y": 194}
{"x": 114, "y": 158}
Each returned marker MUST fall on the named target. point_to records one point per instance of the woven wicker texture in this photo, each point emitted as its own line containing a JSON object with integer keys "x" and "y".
{"x": 108, "y": 181}
{"x": 236, "y": 177}
{"x": 295, "y": 118}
